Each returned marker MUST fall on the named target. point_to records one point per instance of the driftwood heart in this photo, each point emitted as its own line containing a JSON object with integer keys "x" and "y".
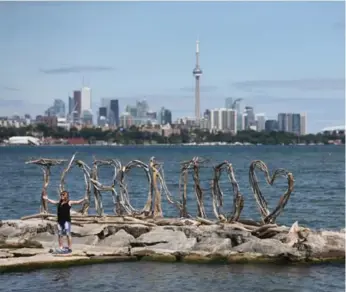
{"x": 267, "y": 216}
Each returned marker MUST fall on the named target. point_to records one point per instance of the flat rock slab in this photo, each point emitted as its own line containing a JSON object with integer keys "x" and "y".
{"x": 5, "y": 254}
{"x": 27, "y": 252}
{"x": 119, "y": 239}
{"x": 265, "y": 246}
{"x": 37, "y": 259}
{"x": 88, "y": 229}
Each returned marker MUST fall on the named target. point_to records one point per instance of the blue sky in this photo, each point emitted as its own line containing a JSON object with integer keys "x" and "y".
{"x": 277, "y": 56}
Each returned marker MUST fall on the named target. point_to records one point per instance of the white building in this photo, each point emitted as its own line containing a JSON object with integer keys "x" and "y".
{"x": 223, "y": 120}
{"x": 85, "y": 99}
{"x": 23, "y": 140}
{"x": 261, "y": 122}
{"x": 63, "y": 123}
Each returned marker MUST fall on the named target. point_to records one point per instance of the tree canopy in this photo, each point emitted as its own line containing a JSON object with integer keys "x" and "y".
{"x": 134, "y": 136}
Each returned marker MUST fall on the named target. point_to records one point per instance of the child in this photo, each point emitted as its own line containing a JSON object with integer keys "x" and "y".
{"x": 64, "y": 218}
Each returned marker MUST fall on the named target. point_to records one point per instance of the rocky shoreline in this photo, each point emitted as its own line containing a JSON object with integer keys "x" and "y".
{"x": 25, "y": 243}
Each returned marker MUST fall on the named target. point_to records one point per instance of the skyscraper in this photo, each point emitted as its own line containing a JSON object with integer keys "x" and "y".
{"x": 86, "y": 99}
{"x": 224, "y": 120}
{"x": 271, "y": 125}
{"x": 283, "y": 122}
{"x": 57, "y": 110}
{"x": 303, "y": 124}
{"x": 292, "y": 122}
{"x": 70, "y": 105}
{"x": 165, "y": 116}
{"x": 103, "y": 112}
{"x": 228, "y": 102}
{"x": 295, "y": 124}
{"x": 261, "y": 120}
{"x": 114, "y": 112}
{"x": 77, "y": 100}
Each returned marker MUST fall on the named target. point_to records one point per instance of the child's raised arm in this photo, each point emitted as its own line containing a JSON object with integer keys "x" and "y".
{"x": 76, "y": 202}
{"x": 49, "y": 200}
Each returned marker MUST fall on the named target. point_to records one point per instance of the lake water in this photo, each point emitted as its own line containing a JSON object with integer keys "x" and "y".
{"x": 318, "y": 201}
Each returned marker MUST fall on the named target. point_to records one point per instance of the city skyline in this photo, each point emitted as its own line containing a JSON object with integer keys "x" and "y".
{"x": 253, "y": 51}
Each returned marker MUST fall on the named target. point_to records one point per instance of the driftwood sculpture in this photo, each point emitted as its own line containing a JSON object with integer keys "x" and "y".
{"x": 238, "y": 201}
{"x": 46, "y": 165}
{"x": 194, "y": 164}
{"x": 158, "y": 187}
{"x": 267, "y": 216}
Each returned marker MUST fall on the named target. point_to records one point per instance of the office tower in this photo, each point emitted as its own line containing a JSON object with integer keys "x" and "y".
{"x": 250, "y": 116}
{"x": 70, "y": 105}
{"x": 206, "y": 114}
{"x": 197, "y": 73}
{"x": 102, "y": 116}
{"x": 232, "y": 120}
{"x": 245, "y": 120}
{"x": 295, "y": 129}
{"x": 142, "y": 109}
{"x": 77, "y": 99}
{"x": 86, "y": 99}
{"x": 106, "y": 102}
{"x": 103, "y": 112}
{"x": 114, "y": 112}
{"x": 261, "y": 119}
{"x": 59, "y": 108}
{"x": 303, "y": 124}
{"x": 228, "y": 102}
{"x": 223, "y": 120}
{"x": 240, "y": 116}
{"x": 56, "y": 110}
{"x": 291, "y": 123}
{"x": 271, "y": 125}
{"x": 214, "y": 120}
{"x": 283, "y": 122}
{"x": 165, "y": 116}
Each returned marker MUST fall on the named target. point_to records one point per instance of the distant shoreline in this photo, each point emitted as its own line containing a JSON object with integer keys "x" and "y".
{"x": 165, "y": 145}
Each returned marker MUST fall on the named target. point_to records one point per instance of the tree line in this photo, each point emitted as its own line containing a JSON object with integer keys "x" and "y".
{"x": 134, "y": 136}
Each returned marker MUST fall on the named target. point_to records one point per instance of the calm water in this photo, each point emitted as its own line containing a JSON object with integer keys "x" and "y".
{"x": 318, "y": 201}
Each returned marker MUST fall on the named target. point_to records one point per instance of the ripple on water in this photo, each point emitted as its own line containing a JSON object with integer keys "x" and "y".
{"x": 165, "y": 277}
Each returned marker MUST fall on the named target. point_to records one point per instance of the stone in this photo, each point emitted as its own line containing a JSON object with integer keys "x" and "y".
{"x": 136, "y": 230}
{"x": 235, "y": 235}
{"x": 27, "y": 226}
{"x": 107, "y": 251}
{"x": 324, "y": 244}
{"x": 213, "y": 245}
{"x": 86, "y": 240}
{"x": 46, "y": 239}
{"x": 193, "y": 231}
{"x": 5, "y": 254}
{"x": 272, "y": 247}
{"x": 87, "y": 229}
{"x": 37, "y": 259}
{"x": 160, "y": 240}
{"x": 20, "y": 243}
{"x": 119, "y": 239}
{"x": 26, "y": 252}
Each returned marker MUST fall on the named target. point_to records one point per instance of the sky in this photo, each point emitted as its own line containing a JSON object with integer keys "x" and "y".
{"x": 277, "y": 56}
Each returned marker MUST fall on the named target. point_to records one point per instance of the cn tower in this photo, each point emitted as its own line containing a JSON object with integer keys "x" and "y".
{"x": 197, "y": 72}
